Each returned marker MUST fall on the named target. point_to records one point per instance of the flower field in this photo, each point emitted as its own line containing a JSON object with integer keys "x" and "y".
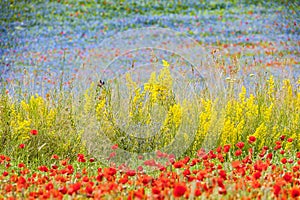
{"x": 149, "y": 100}
{"x": 224, "y": 172}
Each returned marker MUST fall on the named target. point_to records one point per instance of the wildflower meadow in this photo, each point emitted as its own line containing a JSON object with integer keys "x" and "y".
{"x": 149, "y": 99}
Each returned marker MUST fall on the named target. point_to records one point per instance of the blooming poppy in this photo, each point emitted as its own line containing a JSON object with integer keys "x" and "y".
{"x": 295, "y": 192}
{"x": 236, "y": 164}
{"x": 283, "y": 160}
{"x": 240, "y": 145}
{"x": 257, "y": 175}
{"x": 238, "y": 152}
{"x": 251, "y": 139}
{"x": 155, "y": 190}
{"x": 131, "y": 172}
{"x": 282, "y": 137}
{"x": 55, "y": 157}
{"x": 276, "y": 189}
{"x": 288, "y": 177}
{"x": 226, "y": 148}
{"x": 179, "y": 190}
{"x": 178, "y": 164}
{"x": 34, "y": 132}
{"x": 80, "y": 158}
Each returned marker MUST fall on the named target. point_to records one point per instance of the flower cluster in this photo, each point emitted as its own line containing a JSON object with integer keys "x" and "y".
{"x": 227, "y": 172}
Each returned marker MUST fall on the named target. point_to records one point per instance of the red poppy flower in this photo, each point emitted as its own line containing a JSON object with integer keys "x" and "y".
{"x": 55, "y": 157}
{"x": 63, "y": 190}
{"x": 178, "y": 164}
{"x": 251, "y": 139}
{"x": 110, "y": 171}
{"x": 238, "y": 152}
{"x": 146, "y": 180}
{"x": 186, "y": 172}
{"x": 219, "y": 149}
{"x": 131, "y": 172}
{"x": 140, "y": 194}
{"x": 123, "y": 180}
{"x": 43, "y": 168}
{"x": 194, "y": 162}
{"x": 257, "y": 175}
{"x": 270, "y": 156}
{"x": 22, "y": 146}
{"x": 155, "y": 190}
{"x": 89, "y": 189}
{"x": 49, "y": 186}
{"x": 265, "y": 148}
{"x": 283, "y": 160}
{"x": 226, "y": 148}
{"x": 99, "y": 177}
{"x": 5, "y": 173}
{"x": 80, "y": 158}
{"x": 140, "y": 168}
{"x": 295, "y": 192}
{"x": 34, "y": 132}
{"x": 288, "y": 177}
{"x": 276, "y": 190}
{"x": 236, "y": 164}
{"x": 290, "y": 140}
{"x": 240, "y": 145}
{"x": 282, "y": 137}
{"x": 296, "y": 168}
{"x": 222, "y": 173}
{"x": 197, "y": 192}
{"x": 179, "y": 190}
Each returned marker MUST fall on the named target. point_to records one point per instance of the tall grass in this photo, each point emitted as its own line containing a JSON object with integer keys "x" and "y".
{"x": 150, "y": 119}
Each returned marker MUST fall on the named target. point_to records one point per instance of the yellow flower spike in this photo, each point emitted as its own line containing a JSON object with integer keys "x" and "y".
{"x": 268, "y": 113}
{"x": 242, "y": 94}
{"x": 288, "y": 92}
{"x": 24, "y": 106}
{"x": 50, "y": 119}
{"x": 261, "y": 134}
{"x": 100, "y": 108}
{"x": 89, "y": 98}
{"x": 271, "y": 88}
{"x": 204, "y": 123}
{"x": 165, "y": 63}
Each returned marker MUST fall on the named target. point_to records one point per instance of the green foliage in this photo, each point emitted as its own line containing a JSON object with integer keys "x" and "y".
{"x": 66, "y": 10}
